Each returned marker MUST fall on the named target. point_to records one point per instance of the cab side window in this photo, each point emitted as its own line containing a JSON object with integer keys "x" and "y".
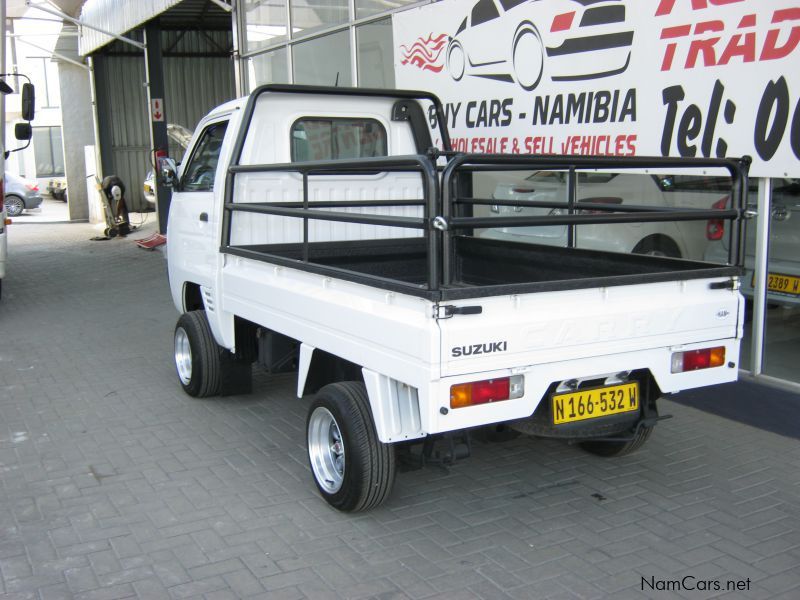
{"x": 198, "y": 176}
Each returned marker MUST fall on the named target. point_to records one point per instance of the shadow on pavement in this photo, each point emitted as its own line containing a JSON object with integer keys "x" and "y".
{"x": 765, "y": 407}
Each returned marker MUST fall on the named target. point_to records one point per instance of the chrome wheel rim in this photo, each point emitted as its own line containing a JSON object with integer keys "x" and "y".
{"x": 14, "y": 206}
{"x": 326, "y": 450}
{"x": 183, "y": 356}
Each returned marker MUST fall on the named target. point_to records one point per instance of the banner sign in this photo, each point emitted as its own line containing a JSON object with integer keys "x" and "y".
{"x": 704, "y": 78}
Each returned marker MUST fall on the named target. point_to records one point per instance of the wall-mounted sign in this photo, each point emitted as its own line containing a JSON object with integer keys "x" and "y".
{"x": 157, "y": 109}
{"x": 705, "y": 78}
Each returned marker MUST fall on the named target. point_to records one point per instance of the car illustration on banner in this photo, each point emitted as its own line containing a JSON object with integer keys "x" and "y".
{"x": 509, "y": 40}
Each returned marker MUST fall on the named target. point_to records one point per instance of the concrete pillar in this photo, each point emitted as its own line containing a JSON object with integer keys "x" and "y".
{"x": 77, "y": 123}
{"x": 77, "y": 131}
{"x": 156, "y": 90}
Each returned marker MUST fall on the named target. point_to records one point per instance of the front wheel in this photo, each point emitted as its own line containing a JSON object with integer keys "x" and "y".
{"x": 609, "y": 449}
{"x": 527, "y": 56}
{"x": 198, "y": 358}
{"x": 352, "y": 469}
{"x": 456, "y": 60}
{"x": 14, "y": 206}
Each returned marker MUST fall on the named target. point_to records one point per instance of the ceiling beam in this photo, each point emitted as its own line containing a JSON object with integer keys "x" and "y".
{"x": 71, "y": 61}
{"x": 66, "y": 17}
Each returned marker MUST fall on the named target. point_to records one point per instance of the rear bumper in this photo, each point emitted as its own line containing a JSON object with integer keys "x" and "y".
{"x": 539, "y": 380}
{"x": 33, "y": 201}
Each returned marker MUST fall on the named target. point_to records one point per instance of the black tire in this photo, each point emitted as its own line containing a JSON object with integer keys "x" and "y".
{"x": 658, "y": 246}
{"x": 365, "y": 475}
{"x": 610, "y": 449}
{"x": 14, "y": 205}
{"x": 200, "y": 371}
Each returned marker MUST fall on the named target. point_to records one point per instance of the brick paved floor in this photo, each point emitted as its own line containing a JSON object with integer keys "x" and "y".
{"x": 114, "y": 484}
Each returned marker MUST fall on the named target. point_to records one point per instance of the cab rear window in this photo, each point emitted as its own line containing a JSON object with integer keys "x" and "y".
{"x": 318, "y": 138}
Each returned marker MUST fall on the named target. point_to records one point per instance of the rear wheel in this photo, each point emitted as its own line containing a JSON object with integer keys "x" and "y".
{"x": 353, "y": 470}
{"x": 14, "y": 206}
{"x": 198, "y": 357}
{"x": 609, "y": 449}
{"x": 658, "y": 246}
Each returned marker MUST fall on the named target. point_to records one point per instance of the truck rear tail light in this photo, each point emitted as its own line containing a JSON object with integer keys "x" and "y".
{"x": 600, "y": 200}
{"x": 715, "y": 228}
{"x": 693, "y": 360}
{"x": 488, "y": 390}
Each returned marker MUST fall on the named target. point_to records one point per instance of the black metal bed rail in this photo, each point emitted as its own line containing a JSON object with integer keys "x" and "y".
{"x": 593, "y": 206}
{"x": 344, "y": 203}
{"x": 329, "y": 215}
{"x": 577, "y": 219}
{"x": 617, "y": 213}
{"x": 425, "y": 164}
{"x": 320, "y": 211}
{"x": 378, "y": 164}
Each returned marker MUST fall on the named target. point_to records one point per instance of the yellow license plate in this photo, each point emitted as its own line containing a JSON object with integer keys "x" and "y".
{"x": 595, "y": 402}
{"x": 784, "y": 284}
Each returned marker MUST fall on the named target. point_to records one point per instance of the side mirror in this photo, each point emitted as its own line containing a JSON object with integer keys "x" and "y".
{"x": 23, "y": 131}
{"x": 28, "y": 101}
{"x": 168, "y": 172}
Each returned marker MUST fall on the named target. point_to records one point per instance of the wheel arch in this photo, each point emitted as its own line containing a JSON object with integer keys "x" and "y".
{"x": 666, "y": 243}
{"x": 197, "y": 297}
{"x": 394, "y": 405}
{"x": 192, "y": 297}
{"x": 524, "y": 26}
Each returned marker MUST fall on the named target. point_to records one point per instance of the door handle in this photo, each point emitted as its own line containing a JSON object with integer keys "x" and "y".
{"x": 204, "y": 217}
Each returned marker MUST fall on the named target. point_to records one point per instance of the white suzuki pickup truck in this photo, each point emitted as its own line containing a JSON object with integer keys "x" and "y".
{"x": 323, "y": 231}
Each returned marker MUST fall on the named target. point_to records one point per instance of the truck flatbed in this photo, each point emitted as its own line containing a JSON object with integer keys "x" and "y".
{"x": 483, "y": 266}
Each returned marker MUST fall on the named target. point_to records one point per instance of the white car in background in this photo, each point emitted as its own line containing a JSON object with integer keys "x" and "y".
{"x": 783, "y": 279}
{"x": 686, "y": 239}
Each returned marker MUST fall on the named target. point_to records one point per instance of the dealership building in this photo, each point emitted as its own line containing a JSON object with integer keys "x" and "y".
{"x": 611, "y": 78}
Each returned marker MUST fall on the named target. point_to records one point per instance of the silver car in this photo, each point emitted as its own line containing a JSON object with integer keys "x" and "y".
{"x": 783, "y": 279}
{"x": 21, "y": 194}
